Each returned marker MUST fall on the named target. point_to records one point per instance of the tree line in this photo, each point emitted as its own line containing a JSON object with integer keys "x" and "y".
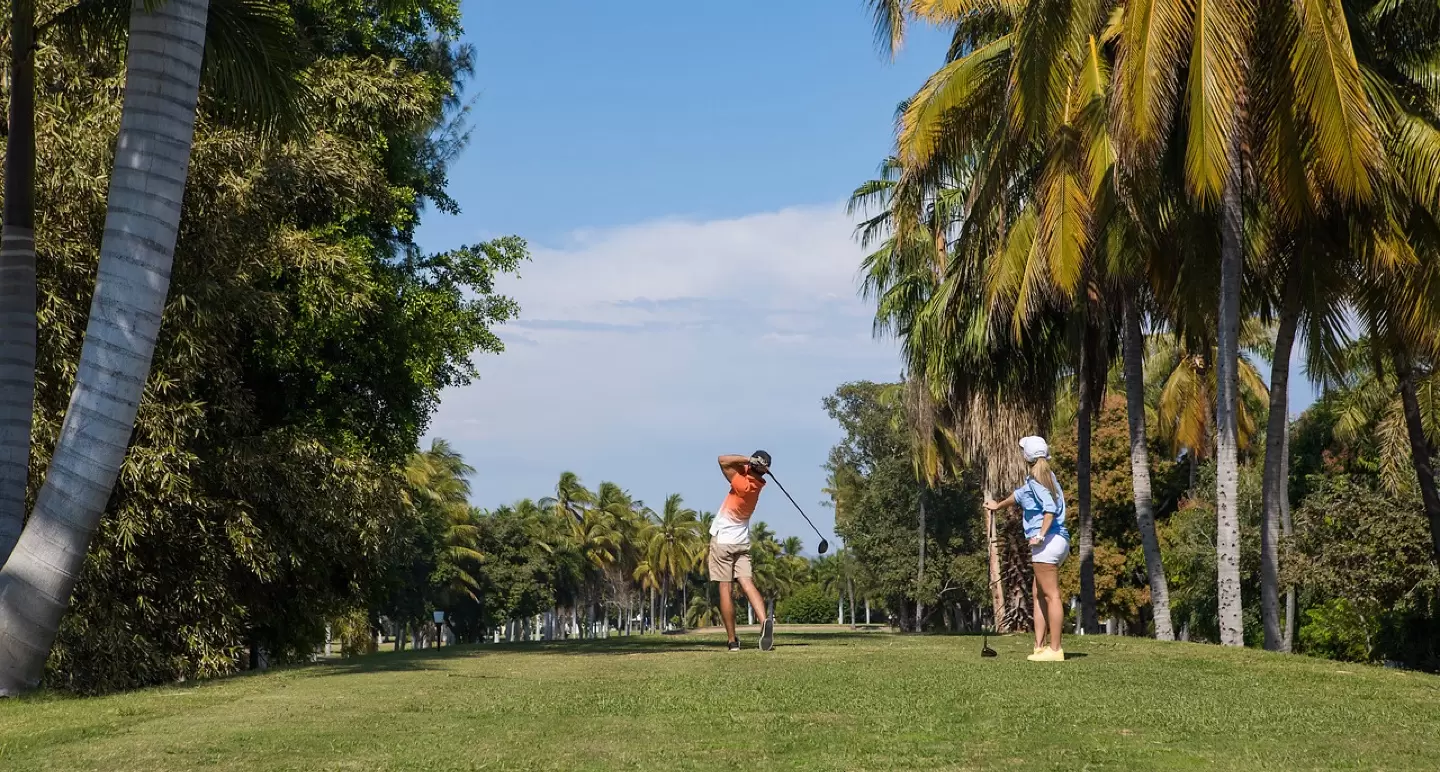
{"x": 582, "y": 563}
{"x": 1082, "y": 187}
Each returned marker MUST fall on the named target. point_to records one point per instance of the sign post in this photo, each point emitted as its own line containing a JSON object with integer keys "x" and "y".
{"x": 439, "y": 625}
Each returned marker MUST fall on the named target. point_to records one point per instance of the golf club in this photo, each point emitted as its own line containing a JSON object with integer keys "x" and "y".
{"x": 824, "y": 545}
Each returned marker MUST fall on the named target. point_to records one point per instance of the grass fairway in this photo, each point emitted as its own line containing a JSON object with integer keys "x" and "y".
{"x": 819, "y": 701}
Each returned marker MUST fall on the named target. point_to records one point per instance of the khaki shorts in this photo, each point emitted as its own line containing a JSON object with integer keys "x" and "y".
{"x": 729, "y": 562}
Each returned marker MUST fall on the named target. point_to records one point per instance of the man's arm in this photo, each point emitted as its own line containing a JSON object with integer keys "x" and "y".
{"x": 733, "y": 465}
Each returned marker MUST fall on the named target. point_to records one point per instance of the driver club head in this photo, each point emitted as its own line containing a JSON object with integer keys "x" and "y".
{"x": 824, "y": 545}
{"x": 988, "y": 652}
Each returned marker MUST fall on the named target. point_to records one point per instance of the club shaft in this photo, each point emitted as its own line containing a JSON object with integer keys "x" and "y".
{"x": 797, "y": 506}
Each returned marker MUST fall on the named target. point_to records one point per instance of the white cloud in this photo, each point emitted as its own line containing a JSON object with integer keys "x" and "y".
{"x": 661, "y": 344}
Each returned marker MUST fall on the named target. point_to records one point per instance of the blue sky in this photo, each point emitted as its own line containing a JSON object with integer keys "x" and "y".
{"x": 680, "y": 171}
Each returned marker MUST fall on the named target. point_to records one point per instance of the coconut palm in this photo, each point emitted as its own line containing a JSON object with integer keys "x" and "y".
{"x": 1318, "y": 138}
{"x": 438, "y": 480}
{"x": 1183, "y": 383}
{"x": 673, "y": 546}
{"x": 570, "y": 499}
{"x": 157, "y": 125}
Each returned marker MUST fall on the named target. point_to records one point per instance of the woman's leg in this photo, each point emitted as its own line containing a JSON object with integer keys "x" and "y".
{"x": 1039, "y": 615}
{"x": 1047, "y": 575}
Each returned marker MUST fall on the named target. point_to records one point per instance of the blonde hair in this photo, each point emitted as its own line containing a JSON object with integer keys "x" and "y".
{"x": 1040, "y": 472}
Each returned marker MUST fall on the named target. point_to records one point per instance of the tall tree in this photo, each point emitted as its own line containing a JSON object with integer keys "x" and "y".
{"x": 252, "y": 76}
{"x": 674, "y": 546}
{"x": 152, "y": 158}
{"x": 17, "y": 280}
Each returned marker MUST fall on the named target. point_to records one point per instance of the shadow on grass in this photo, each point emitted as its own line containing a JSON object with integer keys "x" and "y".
{"x": 435, "y": 659}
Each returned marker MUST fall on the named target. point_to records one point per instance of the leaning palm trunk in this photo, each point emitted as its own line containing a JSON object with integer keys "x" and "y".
{"x": 1088, "y": 620}
{"x": 1285, "y": 530}
{"x": 1275, "y": 483}
{"x": 1134, "y": 354}
{"x": 17, "y": 281}
{"x": 1421, "y": 454}
{"x": 157, "y": 125}
{"x": 1227, "y": 522}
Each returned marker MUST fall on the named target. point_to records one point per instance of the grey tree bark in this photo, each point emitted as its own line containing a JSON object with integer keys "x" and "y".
{"x": 1275, "y": 486}
{"x": 1286, "y": 528}
{"x": 17, "y": 281}
{"x": 1088, "y": 620}
{"x": 1421, "y": 454}
{"x": 1134, "y": 364}
{"x": 1227, "y": 522}
{"x": 142, "y": 222}
{"x": 920, "y": 569}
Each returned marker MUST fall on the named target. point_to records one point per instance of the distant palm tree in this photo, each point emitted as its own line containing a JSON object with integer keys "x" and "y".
{"x": 439, "y": 481}
{"x": 674, "y": 546}
{"x": 1182, "y": 389}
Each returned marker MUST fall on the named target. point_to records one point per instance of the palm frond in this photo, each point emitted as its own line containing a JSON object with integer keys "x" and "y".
{"x": 956, "y": 87}
{"x": 1151, "y": 52}
{"x": 1331, "y": 94}
{"x": 1213, "y": 96}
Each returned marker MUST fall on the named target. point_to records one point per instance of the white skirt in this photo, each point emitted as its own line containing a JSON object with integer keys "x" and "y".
{"x": 1053, "y": 550}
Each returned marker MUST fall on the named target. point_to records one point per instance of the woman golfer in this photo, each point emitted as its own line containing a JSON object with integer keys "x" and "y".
{"x": 1042, "y": 506}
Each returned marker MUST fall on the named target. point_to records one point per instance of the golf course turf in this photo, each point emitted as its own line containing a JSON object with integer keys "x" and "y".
{"x": 821, "y": 700}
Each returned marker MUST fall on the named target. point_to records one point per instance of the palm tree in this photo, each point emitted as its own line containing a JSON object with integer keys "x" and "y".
{"x": 252, "y": 71}
{"x": 674, "y": 543}
{"x": 570, "y": 497}
{"x": 1297, "y": 71}
{"x": 17, "y": 280}
{"x": 439, "y": 479}
{"x": 157, "y": 126}
{"x": 1185, "y": 396}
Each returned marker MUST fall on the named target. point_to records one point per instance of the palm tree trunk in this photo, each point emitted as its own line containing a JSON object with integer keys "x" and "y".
{"x": 157, "y": 124}
{"x": 17, "y": 281}
{"x": 1134, "y": 356}
{"x": 850, "y": 591}
{"x": 997, "y": 590}
{"x": 920, "y": 570}
{"x": 1088, "y": 620}
{"x": 1286, "y": 528}
{"x": 1275, "y": 486}
{"x": 1227, "y": 521}
{"x": 1421, "y": 454}
{"x": 684, "y": 601}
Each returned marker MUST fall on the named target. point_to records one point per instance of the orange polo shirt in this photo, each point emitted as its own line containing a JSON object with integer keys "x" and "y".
{"x": 744, "y": 495}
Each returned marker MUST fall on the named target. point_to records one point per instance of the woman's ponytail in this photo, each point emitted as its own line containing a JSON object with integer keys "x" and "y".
{"x": 1040, "y": 471}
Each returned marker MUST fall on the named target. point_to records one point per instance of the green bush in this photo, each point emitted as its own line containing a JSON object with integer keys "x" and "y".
{"x": 1335, "y": 629}
{"x": 809, "y": 606}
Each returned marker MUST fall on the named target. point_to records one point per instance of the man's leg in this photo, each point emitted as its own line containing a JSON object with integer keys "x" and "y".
{"x": 727, "y": 610}
{"x": 752, "y": 594}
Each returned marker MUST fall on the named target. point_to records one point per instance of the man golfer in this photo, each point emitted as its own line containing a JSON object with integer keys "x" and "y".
{"x": 730, "y": 543}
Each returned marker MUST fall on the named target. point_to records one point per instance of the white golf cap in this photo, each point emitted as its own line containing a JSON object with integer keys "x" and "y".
{"x": 1033, "y": 448}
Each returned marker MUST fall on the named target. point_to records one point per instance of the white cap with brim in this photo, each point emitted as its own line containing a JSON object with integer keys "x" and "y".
{"x": 1033, "y": 448}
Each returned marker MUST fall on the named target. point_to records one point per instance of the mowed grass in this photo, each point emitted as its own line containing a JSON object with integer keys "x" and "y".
{"x": 820, "y": 701}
